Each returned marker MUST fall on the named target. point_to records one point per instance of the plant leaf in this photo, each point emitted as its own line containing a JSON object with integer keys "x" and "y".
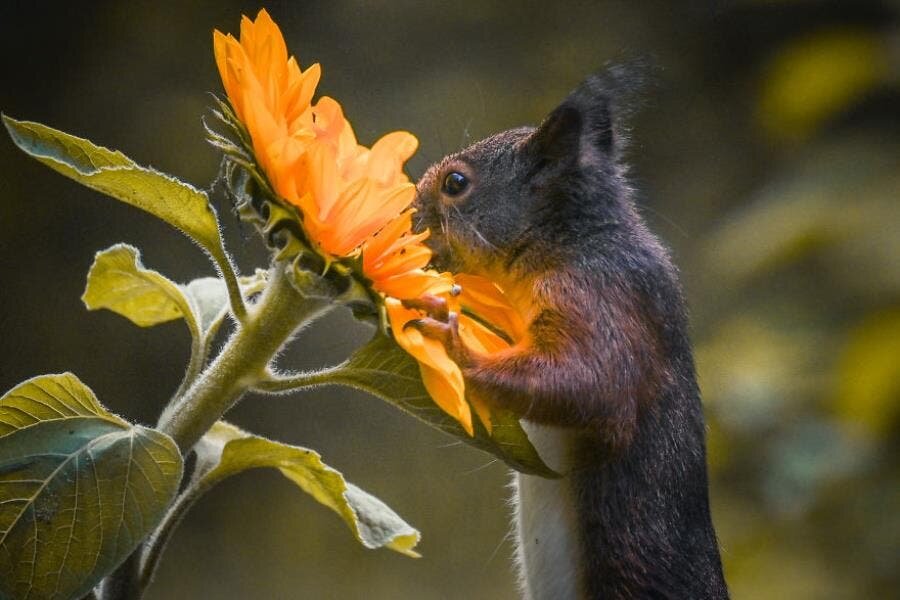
{"x": 227, "y": 450}
{"x": 384, "y": 369}
{"x": 119, "y": 282}
{"x": 79, "y": 488}
{"x": 114, "y": 174}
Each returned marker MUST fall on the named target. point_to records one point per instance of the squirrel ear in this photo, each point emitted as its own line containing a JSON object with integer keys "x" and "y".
{"x": 594, "y": 101}
{"x": 580, "y": 127}
{"x": 588, "y": 127}
{"x": 607, "y": 100}
{"x": 559, "y": 136}
{"x": 593, "y": 98}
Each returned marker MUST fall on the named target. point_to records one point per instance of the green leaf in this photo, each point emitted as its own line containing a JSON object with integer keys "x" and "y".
{"x": 384, "y": 369}
{"x": 114, "y": 174}
{"x": 227, "y": 450}
{"x": 119, "y": 282}
{"x": 79, "y": 488}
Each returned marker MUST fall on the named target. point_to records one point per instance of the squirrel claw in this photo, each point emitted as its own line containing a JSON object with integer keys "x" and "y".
{"x": 445, "y": 332}
{"x": 432, "y": 328}
{"x": 433, "y": 306}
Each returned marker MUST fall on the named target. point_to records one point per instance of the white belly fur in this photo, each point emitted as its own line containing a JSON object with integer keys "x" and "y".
{"x": 547, "y": 553}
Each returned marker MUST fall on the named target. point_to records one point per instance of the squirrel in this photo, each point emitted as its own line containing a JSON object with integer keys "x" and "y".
{"x": 605, "y": 381}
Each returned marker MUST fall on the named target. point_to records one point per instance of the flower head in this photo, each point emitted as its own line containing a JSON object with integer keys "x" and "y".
{"x": 345, "y": 191}
{"x": 354, "y": 201}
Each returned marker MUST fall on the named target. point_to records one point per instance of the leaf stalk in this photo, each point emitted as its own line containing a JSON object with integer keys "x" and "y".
{"x": 243, "y": 362}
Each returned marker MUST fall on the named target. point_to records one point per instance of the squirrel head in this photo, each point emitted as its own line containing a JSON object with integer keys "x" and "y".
{"x": 519, "y": 197}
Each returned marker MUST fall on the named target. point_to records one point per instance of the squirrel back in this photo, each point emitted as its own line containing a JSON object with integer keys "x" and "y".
{"x": 607, "y": 371}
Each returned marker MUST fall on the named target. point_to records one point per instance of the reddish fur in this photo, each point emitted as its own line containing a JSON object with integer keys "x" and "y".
{"x": 582, "y": 340}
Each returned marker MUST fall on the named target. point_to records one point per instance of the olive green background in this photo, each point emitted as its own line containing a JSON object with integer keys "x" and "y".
{"x": 767, "y": 158}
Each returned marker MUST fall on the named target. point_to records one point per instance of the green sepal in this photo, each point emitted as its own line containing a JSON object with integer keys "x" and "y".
{"x": 80, "y": 488}
{"x": 225, "y": 115}
{"x": 227, "y": 450}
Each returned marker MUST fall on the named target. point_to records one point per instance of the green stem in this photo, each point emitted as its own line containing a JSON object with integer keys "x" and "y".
{"x": 243, "y": 361}
{"x": 156, "y": 544}
{"x": 195, "y": 364}
{"x": 279, "y": 383}
{"x": 235, "y": 297}
{"x": 122, "y": 584}
{"x": 264, "y": 329}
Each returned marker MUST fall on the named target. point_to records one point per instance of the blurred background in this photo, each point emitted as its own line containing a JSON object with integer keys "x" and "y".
{"x": 768, "y": 158}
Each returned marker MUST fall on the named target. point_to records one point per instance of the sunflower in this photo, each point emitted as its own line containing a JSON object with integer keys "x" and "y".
{"x": 345, "y": 191}
{"x": 354, "y": 201}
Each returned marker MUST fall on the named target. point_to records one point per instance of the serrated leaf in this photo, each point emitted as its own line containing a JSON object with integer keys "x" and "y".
{"x": 384, "y": 369}
{"x": 227, "y": 450}
{"x": 79, "y": 488}
{"x": 119, "y": 282}
{"x": 114, "y": 174}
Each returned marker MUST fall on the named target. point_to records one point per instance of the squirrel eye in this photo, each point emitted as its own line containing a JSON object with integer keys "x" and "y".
{"x": 455, "y": 183}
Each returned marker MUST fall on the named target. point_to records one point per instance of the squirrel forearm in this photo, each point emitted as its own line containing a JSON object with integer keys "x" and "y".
{"x": 549, "y": 391}
{"x": 595, "y": 377}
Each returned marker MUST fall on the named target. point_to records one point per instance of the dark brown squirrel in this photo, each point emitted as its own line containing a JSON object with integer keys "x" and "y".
{"x": 606, "y": 381}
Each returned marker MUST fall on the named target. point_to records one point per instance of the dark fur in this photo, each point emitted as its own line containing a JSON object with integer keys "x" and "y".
{"x": 609, "y": 355}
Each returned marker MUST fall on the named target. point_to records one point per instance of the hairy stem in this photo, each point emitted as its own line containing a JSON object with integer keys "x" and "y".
{"x": 243, "y": 361}
{"x": 284, "y": 383}
{"x": 195, "y": 365}
{"x": 156, "y": 544}
{"x": 235, "y": 297}
{"x": 265, "y": 328}
{"x": 123, "y": 584}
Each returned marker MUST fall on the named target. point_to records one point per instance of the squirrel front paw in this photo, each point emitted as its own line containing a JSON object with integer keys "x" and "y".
{"x": 441, "y": 324}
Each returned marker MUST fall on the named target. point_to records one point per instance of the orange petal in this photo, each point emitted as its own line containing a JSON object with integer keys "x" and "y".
{"x": 389, "y": 153}
{"x": 441, "y": 376}
{"x": 410, "y": 258}
{"x": 380, "y": 267}
{"x": 304, "y": 91}
{"x": 220, "y": 42}
{"x": 479, "y": 338}
{"x": 413, "y": 285}
{"x": 445, "y": 394}
{"x": 367, "y": 213}
{"x": 329, "y": 119}
{"x": 387, "y": 239}
{"x": 323, "y": 179}
{"x": 482, "y": 297}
